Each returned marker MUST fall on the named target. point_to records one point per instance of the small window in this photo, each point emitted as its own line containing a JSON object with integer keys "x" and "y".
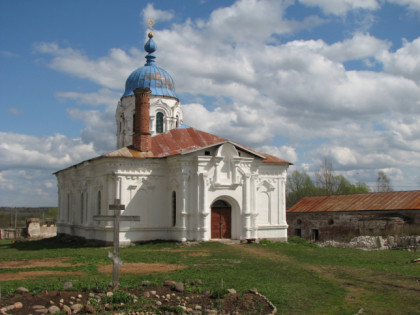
{"x": 159, "y": 122}
{"x": 330, "y": 221}
{"x": 298, "y": 232}
{"x": 177, "y": 121}
{"x": 206, "y": 152}
{"x": 299, "y": 221}
{"x": 173, "y": 208}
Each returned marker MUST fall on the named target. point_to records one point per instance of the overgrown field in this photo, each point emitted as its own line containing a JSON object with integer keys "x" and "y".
{"x": 298, "y": 277}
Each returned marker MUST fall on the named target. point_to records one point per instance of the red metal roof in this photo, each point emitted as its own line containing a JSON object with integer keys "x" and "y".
{"x": 396, "y": 200}
{"x": 184, "y": 140}
{"x": 180, "y": 141}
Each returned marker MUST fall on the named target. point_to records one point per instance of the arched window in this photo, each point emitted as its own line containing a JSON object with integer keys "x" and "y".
{"x": 173, "y": 208}
{"x": 98, "y": 209}
{"x": 68, "y": 208}
{"x": 177, "y": 121}
{"x": 159, "y": 122}
{"x": 81, "y": 208}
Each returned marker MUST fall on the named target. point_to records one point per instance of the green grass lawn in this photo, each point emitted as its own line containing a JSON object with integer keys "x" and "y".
{"x": 298, "y": 277}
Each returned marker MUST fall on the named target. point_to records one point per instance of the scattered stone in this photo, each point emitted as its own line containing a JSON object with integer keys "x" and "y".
{"x": 9, "y": 308}
{"x": 90, "y": 309}
{"x": 168, "y": 283}
{"x": 146, "y": 294}
{"x": 61, "y": 300}
{"x": 36, "y": 307}
{"x": 107, "y": 307}
{"x": 66, "y": 309}
{"x": 68, "y": 285}
{"x": 109, "y": 294}
{"x": 41, "y": 311}
{"x": 153, "y": 292}
{"x": 231, "y": 291}
{"x": 197, "y": 282}
{"x": 79, "y": 296}
{"x": 18, "y": 305}
{"x": 198, "y": 307}
{"x": 158, "y": 303}
{"x": 53, "y": 309}
{"x": 76, "y": 308}
{"x": 21, "y": 290}
{"x": 253, "y": 291}
{"x": 179, "y": 287}
{"x": 145, "y": 283}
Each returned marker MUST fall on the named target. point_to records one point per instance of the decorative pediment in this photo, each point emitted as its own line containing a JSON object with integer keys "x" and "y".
{"x": 265, "y": 186}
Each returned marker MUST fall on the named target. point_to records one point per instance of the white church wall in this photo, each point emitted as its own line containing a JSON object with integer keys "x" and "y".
{"x": 254, "y": 190}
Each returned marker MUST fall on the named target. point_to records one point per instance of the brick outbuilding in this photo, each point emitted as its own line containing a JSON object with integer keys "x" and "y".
{"x": 341, "y": 217}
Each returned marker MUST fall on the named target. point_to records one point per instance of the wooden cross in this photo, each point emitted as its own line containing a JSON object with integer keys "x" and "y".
{"x": 117, "y": 207}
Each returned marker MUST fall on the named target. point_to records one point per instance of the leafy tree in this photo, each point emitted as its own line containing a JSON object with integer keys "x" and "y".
{"x": 298, "y": 185}
{"x": 383, "y": 183}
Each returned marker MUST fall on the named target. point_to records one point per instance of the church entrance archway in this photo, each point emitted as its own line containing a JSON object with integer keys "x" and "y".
{"x": 221, "y": 220}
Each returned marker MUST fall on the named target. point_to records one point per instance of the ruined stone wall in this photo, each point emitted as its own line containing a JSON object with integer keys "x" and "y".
{"x": 35, "y": 230}
{"x": 342, "y": 226}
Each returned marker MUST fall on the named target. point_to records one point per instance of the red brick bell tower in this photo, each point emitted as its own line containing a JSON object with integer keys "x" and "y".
{"x": 142, "y": 140}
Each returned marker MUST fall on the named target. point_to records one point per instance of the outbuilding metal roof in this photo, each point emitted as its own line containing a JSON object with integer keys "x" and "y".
{"x": 397, "y": 200}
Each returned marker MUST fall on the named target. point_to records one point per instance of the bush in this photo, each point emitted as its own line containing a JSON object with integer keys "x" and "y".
{"x": 218, "y": 293}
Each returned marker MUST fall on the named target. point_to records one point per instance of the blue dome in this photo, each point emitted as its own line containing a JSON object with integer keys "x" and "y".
{"x": 150, "y": 76}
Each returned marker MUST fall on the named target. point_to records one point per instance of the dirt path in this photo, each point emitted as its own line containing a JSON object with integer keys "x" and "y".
{"x": 142, "y": 268}
{"x": 39, "y": 273}
{"x": 35, "y": 263}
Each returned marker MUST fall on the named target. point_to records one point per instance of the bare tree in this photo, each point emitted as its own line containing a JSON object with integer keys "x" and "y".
{"x": 383, "y": 183}
{"x": 325, "y": 178}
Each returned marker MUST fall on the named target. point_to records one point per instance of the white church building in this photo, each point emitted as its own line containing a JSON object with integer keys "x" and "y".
{"x": 185, "y": 184}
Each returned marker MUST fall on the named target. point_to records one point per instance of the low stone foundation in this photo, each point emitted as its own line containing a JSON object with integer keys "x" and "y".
{"x": 411, "y": 243}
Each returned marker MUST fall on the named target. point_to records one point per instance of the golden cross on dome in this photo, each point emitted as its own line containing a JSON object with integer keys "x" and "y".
{"x": 150, "y": 22}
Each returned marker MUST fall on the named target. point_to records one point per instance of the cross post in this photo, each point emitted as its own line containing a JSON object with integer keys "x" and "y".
{"x": 117, "y": 207}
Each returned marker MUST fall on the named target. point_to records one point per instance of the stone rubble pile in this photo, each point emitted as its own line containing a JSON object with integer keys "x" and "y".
{"x": 411, "y": 243}
{"x": 87, "y": 303}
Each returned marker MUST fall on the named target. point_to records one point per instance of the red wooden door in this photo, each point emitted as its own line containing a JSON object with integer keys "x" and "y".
{"x": 221, "y": 221}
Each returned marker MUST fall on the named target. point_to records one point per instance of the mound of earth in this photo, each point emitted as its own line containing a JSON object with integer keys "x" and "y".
{"x": 162, "y": 299}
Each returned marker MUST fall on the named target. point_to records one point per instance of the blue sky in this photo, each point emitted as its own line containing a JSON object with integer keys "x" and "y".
{"x": 303, "y": 80}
